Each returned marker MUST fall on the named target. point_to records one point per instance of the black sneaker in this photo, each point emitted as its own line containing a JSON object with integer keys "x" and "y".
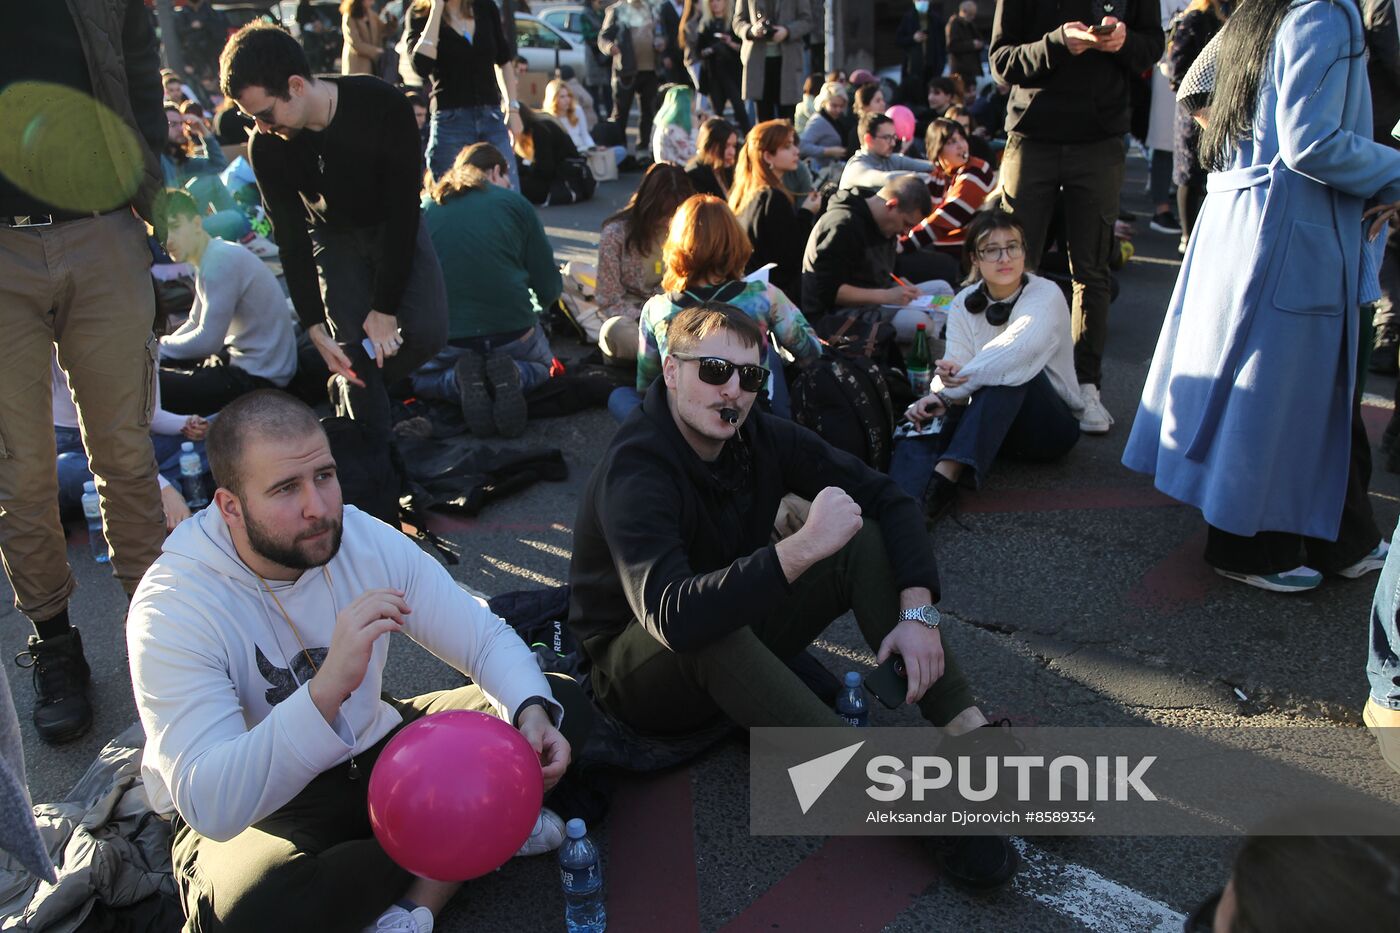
{"x": 1166, "y": 222}
{"x": 939, "y": 498}
{"x": 508, "y": 409}
{"x": 475, "y": 394}
{"x": 62, "y": 712}
{"x": 979, "y": 863}
{"x": 1385, "y": 352}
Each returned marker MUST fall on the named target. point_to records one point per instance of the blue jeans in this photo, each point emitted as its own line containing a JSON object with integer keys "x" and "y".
{"x": 452, "y": 130}
{"x": 533, "y": 357}
{"x": 73, "y": 465}
{"x": 1383, "y": 652}
{"x": 1025, "y": 422}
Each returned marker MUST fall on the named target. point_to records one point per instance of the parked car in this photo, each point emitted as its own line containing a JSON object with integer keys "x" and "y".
{"x": 544, "y": 48}
{"x": 565, "y": 19}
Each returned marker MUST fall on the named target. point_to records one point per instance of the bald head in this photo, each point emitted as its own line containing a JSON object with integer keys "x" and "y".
{"x": 264, "y": 415}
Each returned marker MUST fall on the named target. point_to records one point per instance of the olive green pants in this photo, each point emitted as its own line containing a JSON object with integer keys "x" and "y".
{"x": 742, "y": 675}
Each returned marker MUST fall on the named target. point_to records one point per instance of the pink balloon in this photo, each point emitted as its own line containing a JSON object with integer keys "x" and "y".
{"x": 454, "y": 795}
{"x": 903, "y": 119}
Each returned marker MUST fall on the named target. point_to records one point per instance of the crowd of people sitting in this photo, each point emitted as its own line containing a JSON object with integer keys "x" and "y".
{"x": 765, "y": 281}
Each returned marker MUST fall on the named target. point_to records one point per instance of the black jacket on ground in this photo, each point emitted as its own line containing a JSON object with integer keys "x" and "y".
{"x": 1063, "y": 98}
{"x": 553, "y": 148}
{"x": 681, "y": 546}
{"x": 845, "y": 248}
{"x": 778, "y": 229}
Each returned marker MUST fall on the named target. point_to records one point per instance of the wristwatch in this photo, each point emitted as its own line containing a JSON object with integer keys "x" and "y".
{"x": 925, "y": 614}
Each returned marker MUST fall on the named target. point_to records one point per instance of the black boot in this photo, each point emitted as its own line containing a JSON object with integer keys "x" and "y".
{"x": 61, "y": 675}
{"x": 939, "y": 498}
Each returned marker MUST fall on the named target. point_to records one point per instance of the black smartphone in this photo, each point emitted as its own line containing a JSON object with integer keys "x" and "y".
{"x": 889, "y": 682}
{"x": 1103, "y": 29}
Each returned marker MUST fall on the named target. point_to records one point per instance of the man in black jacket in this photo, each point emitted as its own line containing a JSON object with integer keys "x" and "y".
{"x": 1070, "y": 64}
{"x": 686, "y": 609}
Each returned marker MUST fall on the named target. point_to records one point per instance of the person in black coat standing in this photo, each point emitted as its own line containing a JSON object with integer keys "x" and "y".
{"x": 721, "y": 72}
{"x": 920, "y": 35}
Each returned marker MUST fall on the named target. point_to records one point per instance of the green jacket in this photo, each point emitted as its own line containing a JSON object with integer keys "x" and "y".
{"x": 494, "y": 254}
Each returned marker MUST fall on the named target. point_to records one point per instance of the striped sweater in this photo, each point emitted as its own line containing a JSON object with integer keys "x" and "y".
{"x": 956, "y": 199}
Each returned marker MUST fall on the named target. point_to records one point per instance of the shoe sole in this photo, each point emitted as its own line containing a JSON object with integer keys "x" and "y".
{"x": 1094, "y": 428}
{"x": 1158, "y": 228}
{"x": 1387, "y": 738}
{"x": 509, "y": 410}
{"x": 1262, "y": 584}
{"x": 475, "y": 397}
{"x": 63, "y": 738}
{"x": 1359, "y": 571}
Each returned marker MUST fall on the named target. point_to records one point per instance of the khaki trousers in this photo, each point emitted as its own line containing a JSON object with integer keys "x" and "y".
{"x": 84, "y": 285}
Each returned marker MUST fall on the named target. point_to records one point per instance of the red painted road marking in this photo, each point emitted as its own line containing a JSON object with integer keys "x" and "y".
{"x": 1376, "y": 418}
{"x": 850, "y": 883}
{"x": 651, "y": 877}
{"x": 1059, "y": 500}
{"x": 1180, "y": 579}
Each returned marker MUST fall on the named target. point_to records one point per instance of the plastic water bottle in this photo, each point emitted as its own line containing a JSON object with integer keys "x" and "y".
{"x": 850, "y": 702}
{"x": 192, "y": 477}
{"x": 92, "y": 511}
{"x": 582, "y": 877}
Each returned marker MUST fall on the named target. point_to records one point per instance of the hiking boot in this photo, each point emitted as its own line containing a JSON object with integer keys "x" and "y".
{"x": 62, "y": 712}
{"x": 1370, "y": 563}
{"x": 1297, "y": 580}
{"x": 1385, "y": 726}
{"x": 547, "y": 835}
{"x": 939, "y": 498}
{"x": 509, "y": 410}
{"x": 1166, "y": 222}
{"x": 1385, "y": 352}
{"x": 475, "y": 392}
{"x": 979, "y": 863}
{"x": 1095, "y": 419}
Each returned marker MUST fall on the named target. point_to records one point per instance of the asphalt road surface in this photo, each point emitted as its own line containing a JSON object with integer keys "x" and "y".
{"x": 1074, "y": 593}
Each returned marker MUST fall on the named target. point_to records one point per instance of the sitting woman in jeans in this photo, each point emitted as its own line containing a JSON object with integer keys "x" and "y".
{"x": 1006, "y": 383}
{"x": 494, "y": 253}
{"x": 705, "y": 254}
{"x": 460, "y": 47}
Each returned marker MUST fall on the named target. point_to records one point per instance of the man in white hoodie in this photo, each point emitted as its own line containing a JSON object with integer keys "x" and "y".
{"x": 257, "y": 654}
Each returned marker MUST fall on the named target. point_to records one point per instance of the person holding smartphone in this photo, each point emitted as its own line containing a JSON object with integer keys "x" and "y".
{"x": 687, "y": 609}
{"x": 1071, "y": 66}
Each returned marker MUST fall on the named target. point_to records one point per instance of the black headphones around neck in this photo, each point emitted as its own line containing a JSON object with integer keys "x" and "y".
{"x": 998, "y": 312}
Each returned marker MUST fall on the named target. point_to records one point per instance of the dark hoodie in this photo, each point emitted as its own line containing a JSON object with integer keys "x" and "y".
{"x": 1063, "y": 98}
{"x": 682, "y": 547}
{"x": 845, "y": 248}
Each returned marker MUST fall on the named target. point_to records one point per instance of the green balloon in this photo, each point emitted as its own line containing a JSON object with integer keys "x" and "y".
{"x": 67, "y": 149}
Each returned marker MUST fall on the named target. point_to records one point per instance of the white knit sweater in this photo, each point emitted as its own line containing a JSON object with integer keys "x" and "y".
{"x": 1036, "y": 337}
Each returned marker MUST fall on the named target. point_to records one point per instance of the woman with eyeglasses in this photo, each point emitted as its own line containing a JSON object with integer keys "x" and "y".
{"x": 1006, "y": 382}
{"x": 705, "y": 254}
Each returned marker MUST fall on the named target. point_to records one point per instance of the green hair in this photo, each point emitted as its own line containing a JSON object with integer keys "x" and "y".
{"x": 675, "y": 108}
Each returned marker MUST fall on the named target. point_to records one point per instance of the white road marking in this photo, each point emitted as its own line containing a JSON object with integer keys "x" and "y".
{"x": 1084, "y": 895}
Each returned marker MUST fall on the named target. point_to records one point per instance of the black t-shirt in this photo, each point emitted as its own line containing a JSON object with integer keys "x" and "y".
{"x": 464, "y": 72}
{"x": 364, "y": 170}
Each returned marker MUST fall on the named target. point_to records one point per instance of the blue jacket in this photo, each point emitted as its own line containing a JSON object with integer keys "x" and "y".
{"x": 1246, "y": 413}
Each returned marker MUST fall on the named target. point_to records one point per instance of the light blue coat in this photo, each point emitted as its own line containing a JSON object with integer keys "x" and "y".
{"x": 1246, "y": 413}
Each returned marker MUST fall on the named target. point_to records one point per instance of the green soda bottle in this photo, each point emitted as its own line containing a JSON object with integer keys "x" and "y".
{"x": 918, "y": 365}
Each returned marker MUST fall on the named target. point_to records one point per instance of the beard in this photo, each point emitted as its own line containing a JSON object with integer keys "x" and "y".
{"x": 295, "y": 554}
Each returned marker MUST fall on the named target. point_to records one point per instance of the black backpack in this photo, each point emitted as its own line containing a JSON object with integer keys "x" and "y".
{"x": 845, "y": 396}
{"x": 373, "y": 479}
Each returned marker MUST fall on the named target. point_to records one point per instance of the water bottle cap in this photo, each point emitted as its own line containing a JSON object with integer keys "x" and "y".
{"x": 577, "y": 829}
{"x": 89, "y": 486}
{"x": 920, "y": 327}
{"x": 853, "y": 678}
{"x": 187, "y": 447}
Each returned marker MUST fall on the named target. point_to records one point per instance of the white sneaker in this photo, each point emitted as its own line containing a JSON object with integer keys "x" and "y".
{"x": 260, "y": 246}
{"x": 398, "y": 920}
{"x": 1095, "y": 419}
{"x": 1372, "y": 561}
{"x": 547, "y": 835}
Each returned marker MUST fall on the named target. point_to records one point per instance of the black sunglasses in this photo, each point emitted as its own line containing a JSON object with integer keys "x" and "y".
{"x": 716, "y": 371}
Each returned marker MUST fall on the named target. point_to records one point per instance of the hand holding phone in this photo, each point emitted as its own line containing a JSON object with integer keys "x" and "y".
{"x": 1103, "y": 29}
{"x": 889, "y": 682}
